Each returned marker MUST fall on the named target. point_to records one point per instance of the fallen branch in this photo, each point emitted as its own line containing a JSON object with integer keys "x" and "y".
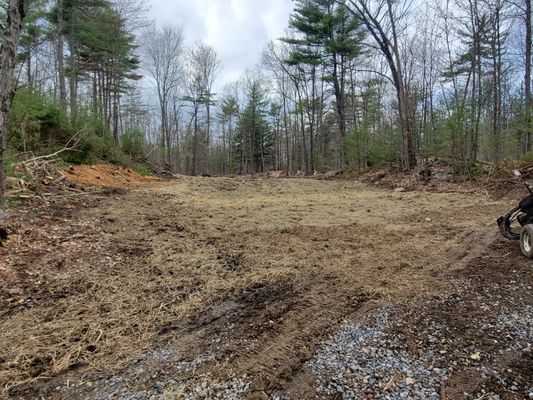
{"x": 70, "y": 145}
{"x": 75, "y": 195}
{"x": 37, "y": 168}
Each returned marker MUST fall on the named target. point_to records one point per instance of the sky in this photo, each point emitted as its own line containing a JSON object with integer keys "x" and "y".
{"x": 238, "y": 30}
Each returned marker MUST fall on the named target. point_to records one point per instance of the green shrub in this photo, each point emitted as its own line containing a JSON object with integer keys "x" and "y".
{"x": 378, "y": 156}
{"x": 475, "y": 169}
{"x": 35, "y": 122}
{"x": 95, "y": 144}
{"x": 10, "y": 160}
{"x": 142, "y": 169}
{"x": 37, "y": 125}
{"x": 116, "y": 156}
{"x": 527, "y": 158}
{"x": 133, "y": 143}
{"x": 320, "y": 163}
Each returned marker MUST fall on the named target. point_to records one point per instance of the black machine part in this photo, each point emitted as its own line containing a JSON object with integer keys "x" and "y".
{"x": 526, "y": 205}
{"x": 523, "y": 214}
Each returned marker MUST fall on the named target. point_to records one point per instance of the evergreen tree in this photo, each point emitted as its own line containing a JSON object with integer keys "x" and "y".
{"x": 254, "y": 139}
{"x": 328, "y": 36}
{"x": 110, "y": 64}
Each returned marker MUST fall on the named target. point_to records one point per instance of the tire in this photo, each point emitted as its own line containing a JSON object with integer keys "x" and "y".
{"x": 526, "y": 240}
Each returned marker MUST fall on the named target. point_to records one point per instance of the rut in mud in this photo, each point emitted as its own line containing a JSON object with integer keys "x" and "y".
{"x": 214, "y": 279}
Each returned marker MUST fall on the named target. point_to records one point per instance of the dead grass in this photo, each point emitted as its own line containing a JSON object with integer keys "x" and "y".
{"x": 166, "y": 256}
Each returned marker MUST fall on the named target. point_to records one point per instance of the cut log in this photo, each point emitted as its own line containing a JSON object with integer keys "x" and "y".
{"x": 332, "y": 174}
{"x": 15, "y": 183}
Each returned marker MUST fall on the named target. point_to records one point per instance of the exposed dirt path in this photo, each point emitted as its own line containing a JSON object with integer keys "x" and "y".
{"x": 226, "y": 285}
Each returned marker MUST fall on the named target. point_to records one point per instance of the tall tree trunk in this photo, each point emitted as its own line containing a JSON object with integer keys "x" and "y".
{"x": 304, "y": 140}
{"x": 116, "y": 101}
{"x": 73, "y": 82}
{"x": 177, "y": 130}
{"x": 295, "y": 143}
{"x": 403, "y": 107}
{"x": 496, "y": 81}
{"x": 262, "y": 139}
{"x": 251, "y": 144}
{"x": 312, "y": 124}
{"x": 73, "y": 64}
{"x": 169, "y": 146}
{"x": 388, "y": 45}
{"x": 527, "y": 78}
{"x": 101, "y": 95}
{"x": 230, "y": 143}
{"x": 473, "y": 106}
{"x": 208, "y": 147}
{"x": 16, "y": 12}
{"x": 60, "y": 56}
{"x": 286, "y": 130}
{"x": 341, "y": 113}
{"x": 94, "y": 94}
{"x": 28, "y": 69}
{"x": 479, "y": 99}
{"x": 195, "y": 142}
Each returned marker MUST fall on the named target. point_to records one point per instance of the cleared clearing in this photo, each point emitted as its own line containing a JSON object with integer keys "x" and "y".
{"x": 252, "y": 272}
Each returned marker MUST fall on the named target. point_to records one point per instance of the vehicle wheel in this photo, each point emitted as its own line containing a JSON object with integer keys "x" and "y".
{"x": 526, "y": 240}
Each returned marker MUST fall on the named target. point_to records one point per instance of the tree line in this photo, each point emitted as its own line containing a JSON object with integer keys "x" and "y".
{"x": 359, "y": 84}
{"x": 352, "y": 84}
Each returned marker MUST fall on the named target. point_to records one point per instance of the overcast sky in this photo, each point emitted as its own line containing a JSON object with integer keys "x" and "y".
{"x": 238, "y": 30}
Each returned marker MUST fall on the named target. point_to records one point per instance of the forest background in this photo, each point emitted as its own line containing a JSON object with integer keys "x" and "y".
{"x": 352, "y": 85}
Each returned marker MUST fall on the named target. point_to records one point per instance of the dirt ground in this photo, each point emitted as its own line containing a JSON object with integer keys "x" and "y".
{"x": 226, "y": 288}
{"x": 106, "y": 175}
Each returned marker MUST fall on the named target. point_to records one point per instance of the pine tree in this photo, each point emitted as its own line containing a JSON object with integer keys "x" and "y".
{"x": 110, "y": 64}
{"x": 329, "y": 36}
{"x": 253, "y": 140}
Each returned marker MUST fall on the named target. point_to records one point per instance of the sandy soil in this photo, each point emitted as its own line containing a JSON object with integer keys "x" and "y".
{"x": 106, "y": 175}
{"x": 221, "y": 278}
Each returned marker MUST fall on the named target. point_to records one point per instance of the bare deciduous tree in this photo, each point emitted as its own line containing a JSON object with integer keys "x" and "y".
{"x": 203, "y": 68}
{"x": 527, "y": 74}
{"x": 163, "y": 50}
{"x": 382, "y": 19}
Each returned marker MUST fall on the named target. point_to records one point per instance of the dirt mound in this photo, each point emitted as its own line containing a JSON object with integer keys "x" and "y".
{"x": 106, "y": 175}
{"x": 439, "y": 181}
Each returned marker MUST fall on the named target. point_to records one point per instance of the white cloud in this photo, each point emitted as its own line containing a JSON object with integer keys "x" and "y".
{"x": 238, "y": 30}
